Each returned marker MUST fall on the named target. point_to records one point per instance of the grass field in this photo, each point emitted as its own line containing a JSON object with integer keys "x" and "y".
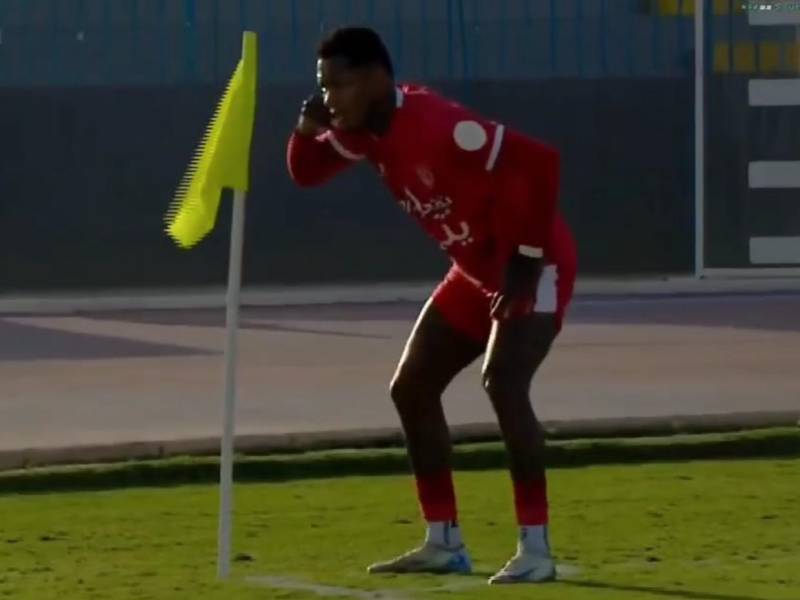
{"x": 702, "y": 530}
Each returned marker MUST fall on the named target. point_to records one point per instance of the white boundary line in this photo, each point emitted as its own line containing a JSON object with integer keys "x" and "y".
{"x": 327, "y": 591}
{"x": 455, "y": 583}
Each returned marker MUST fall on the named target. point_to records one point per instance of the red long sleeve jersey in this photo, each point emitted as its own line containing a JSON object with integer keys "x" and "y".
{"x": 479, "y": 189}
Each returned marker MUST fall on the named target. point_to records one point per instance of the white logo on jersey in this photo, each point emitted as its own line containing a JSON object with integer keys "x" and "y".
{"x": 464, "y": 237}
{"x": 438, "y": 207}
{"x": 470, "y": 135}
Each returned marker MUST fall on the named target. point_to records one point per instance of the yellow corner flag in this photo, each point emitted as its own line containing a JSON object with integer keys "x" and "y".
{"x": 222, "y": 159}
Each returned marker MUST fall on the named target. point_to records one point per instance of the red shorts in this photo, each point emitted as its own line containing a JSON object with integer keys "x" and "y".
{"x": 466, "y": 304}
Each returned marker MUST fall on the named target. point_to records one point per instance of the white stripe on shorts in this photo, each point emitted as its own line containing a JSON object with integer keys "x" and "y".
{"x": 546, "y": 296}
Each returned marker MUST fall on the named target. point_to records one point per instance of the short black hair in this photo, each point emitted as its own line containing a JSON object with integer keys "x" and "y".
{"x": 359, "y": 46}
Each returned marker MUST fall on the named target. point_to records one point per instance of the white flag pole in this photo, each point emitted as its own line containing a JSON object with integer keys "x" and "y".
{"x": 229, "y": 410}
{"x": 699, "y": 138}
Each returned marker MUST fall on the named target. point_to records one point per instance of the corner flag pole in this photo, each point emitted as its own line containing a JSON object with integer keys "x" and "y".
{"x": 223, "y": 161}
{"x": 229, "y": 411}
{"x": 699, "y": 137}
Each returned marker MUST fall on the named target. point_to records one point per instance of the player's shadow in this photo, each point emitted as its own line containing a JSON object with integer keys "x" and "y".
{"x": 666, "y": 593}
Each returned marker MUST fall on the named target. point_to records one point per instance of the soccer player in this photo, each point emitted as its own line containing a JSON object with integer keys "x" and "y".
{"x": 488, "y": 196}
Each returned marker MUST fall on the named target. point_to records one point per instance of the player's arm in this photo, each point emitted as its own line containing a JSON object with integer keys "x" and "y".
{"x": 312, "y": 156}
{"x": 528, "y": 181}
{"x": 527, "y": 175}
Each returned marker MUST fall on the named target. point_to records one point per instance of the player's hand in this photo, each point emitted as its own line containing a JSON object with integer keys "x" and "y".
{"x": 506, "y": 308}
{"x": 315, "y": 117}
{"x": 517, "y": 298}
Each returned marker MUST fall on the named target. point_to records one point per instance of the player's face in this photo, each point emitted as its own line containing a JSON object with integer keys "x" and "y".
{"x": 348, "y": 92}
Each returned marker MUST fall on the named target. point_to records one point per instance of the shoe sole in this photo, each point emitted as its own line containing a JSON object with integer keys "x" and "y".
{"x": 440, "y": 571}
{"x": 522, "y": 579}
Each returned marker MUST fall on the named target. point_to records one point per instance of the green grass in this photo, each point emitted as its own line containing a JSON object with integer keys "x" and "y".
{"x": 702, "y": 530}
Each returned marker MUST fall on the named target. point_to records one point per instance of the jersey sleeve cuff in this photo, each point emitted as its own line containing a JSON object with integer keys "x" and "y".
{"x": 340, "y": 149}
{"x": 530, "y": 251}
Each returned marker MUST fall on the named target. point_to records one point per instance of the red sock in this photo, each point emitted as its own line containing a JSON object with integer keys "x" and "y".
{"x": 437, "y": 496}
{"x": 530, "y": 499}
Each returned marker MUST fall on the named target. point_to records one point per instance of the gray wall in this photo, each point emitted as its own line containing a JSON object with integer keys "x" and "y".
{"x": 86, "y": 173}
{"x": 104, "y": 101}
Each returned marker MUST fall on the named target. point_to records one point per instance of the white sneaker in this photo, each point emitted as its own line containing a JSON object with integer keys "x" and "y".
{"x": 429, "y": 558}
{"x": 526, "y": 567}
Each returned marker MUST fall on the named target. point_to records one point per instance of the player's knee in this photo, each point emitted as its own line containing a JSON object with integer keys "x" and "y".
{"x": 503, "y": 386}
{"x": 413, "y": 392}
{"x": 401, "y": 390}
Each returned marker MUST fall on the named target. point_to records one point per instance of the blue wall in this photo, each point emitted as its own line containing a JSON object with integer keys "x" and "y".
{"x": 91, "y": 42}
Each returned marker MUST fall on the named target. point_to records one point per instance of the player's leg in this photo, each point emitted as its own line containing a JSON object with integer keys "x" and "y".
{"x": 434, "y": 355}
{"x": 437, "y": 350}
{"x": 515, "y": 351}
